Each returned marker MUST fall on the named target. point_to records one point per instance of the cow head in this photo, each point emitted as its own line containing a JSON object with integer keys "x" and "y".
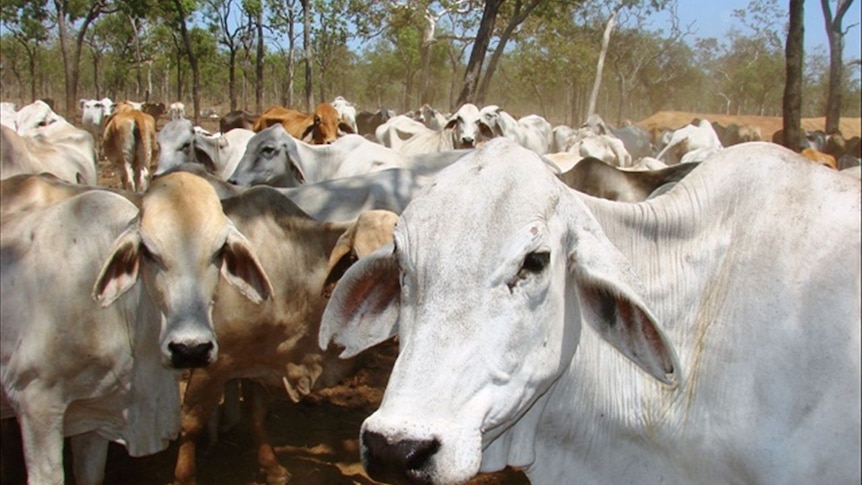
{"x": 178, "y": 246}
{"x": 499, "y": 302}
{"x": 270, "y": 158}
{"x": 463, "y": 125}
{"x": 326, "y": 126}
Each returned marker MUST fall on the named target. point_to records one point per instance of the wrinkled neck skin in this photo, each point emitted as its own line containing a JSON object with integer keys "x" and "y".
{"x": 599, "y": 400}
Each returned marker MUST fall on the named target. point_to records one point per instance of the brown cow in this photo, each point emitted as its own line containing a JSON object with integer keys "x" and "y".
{"x": 819, "y": 157}
{"x": 129, "y": 141}
{"x": 320, "y": 128}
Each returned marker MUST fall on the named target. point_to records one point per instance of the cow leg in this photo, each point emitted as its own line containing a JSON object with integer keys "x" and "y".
{"x": 128, "y": 177}
{"x": 89, "y": 455}
{"x": 201, "y": 397}
{"x": 42, "y": 437}
{"x": 259, "y": 400}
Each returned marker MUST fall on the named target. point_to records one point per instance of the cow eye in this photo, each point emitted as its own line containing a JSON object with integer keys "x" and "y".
{"x": 267, "y": 151}
{"x": 152, "y": 256}
{"x": 534, "y": 263}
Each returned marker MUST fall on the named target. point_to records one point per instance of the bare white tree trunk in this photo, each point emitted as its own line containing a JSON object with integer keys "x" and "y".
{"x": 606, "y": 39}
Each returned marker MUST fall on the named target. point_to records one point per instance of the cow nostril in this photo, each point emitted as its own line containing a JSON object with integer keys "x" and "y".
{"x": 185, "y": 356}
{"x": 400, "y": 462}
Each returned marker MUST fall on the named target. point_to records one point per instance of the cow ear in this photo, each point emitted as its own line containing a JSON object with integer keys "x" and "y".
{"x": 364, "y": 307}
{"x": 451, "y": 123}
{"x": 241, "y": 268}
{"x": 120, "y": 270}
{"x": 307, "y": 132}
{"x": 344, "y": 127}
{"x": 610, "y": 301}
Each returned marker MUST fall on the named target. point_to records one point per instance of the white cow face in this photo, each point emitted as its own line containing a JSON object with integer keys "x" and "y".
{"x": 464, "y": 126}
{"x": 489, "y": 302}
{"x": 270, "y": 158}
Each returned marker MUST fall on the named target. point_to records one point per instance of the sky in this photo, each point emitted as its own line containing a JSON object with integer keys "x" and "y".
{"x": 714, "y": 19}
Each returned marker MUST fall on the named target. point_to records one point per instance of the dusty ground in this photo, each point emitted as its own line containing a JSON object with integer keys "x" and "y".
{"x": 768, "y": 124}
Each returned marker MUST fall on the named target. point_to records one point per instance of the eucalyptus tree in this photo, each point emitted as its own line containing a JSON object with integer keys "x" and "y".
{"x": 283, "y": 15}
{"x": 794, "y": 52}
{"x": 28, "y": 24}
{"x": 835, "y": 33}
{"x": 635, "y": 50}
{"x": 228, "y": 27}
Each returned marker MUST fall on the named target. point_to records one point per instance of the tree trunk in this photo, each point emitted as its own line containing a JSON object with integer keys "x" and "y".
{"x": 258, "y": 92}
{"x": 606, "y": 39}
{"x": 836, "y": 64}
{"x": 426, "y": 43}
{"x": 477, "y": 55}
{"x": 72, "y": 51}
{"x": 231, "y": 77}
{"x": 306, "y": 45}
{"x": 31, "y": 60}
{"x": 521, "y": 13}
{"x": 193, "y": 61}
{"x": 794, "y": 54}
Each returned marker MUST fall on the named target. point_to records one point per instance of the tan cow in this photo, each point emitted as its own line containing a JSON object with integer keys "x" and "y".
{"x": 275, "y": 342}
{"x": 129, "y": 141}
{"x": 320, "y": 128}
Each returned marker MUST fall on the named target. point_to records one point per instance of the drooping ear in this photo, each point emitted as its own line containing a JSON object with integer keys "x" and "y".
{"x": 307, "y": 132}
{"x": 289, "y": 148}
{"x": 345, "y": 128}
{"x": 241, "y": 268}
{"x": 120, "y": 270}
{"x": 609, "y": 293}
{"x": 365, "y": 305}
{"x": 451, "y": 123}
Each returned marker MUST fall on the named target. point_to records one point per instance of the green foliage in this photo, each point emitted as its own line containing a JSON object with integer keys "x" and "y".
{"x": 371, "y": 53}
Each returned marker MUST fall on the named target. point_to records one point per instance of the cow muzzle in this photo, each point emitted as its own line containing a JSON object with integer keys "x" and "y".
{"x": 401, "y": 462}
{"x": 184, "y": 355}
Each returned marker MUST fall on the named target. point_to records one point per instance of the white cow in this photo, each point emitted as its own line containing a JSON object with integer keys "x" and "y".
{"x": 182, "y": 142}
{"x": 460, "y": 132}
{"x": 273, "y": 157}
{"x": 94, "y": 115}
{"x": 61, "y": 149}
{"x": 116, "y": 339}
{"x": 397, "y": 130}
{"x": 431, "y": 117}
{"x": 710, "y": 335}
{"x": 346, "y": 112}
{"x": 691, "y": 143}
{"x": 532, "y": 131}
{"x": 9, "y": 115}
{"x": 36, "y": 117}
{"x": 177, "y": 110}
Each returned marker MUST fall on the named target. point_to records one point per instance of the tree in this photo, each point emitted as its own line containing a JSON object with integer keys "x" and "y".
{"x": 306, "y": 47}
{"x": 180, "y": 14}
{"x": 835, "y": 33}
{"x": 520, "y": 13}
{"x": 228, "y": 31}
{"x": 67, "y": 14}
{"x": 794, "y": 52}
{"x": 283, "y": 19}
{"x": 477, "y": 54}
{"x": 26, "y": 22}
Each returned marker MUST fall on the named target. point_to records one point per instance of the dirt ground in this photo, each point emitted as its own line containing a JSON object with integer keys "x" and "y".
{"x": 317, "y": 440}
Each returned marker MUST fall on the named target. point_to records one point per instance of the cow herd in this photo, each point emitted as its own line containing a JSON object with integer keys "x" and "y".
{"x": 590, "y": 304}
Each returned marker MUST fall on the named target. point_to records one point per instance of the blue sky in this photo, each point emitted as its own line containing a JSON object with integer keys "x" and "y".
{"x": 714, "y": 19}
